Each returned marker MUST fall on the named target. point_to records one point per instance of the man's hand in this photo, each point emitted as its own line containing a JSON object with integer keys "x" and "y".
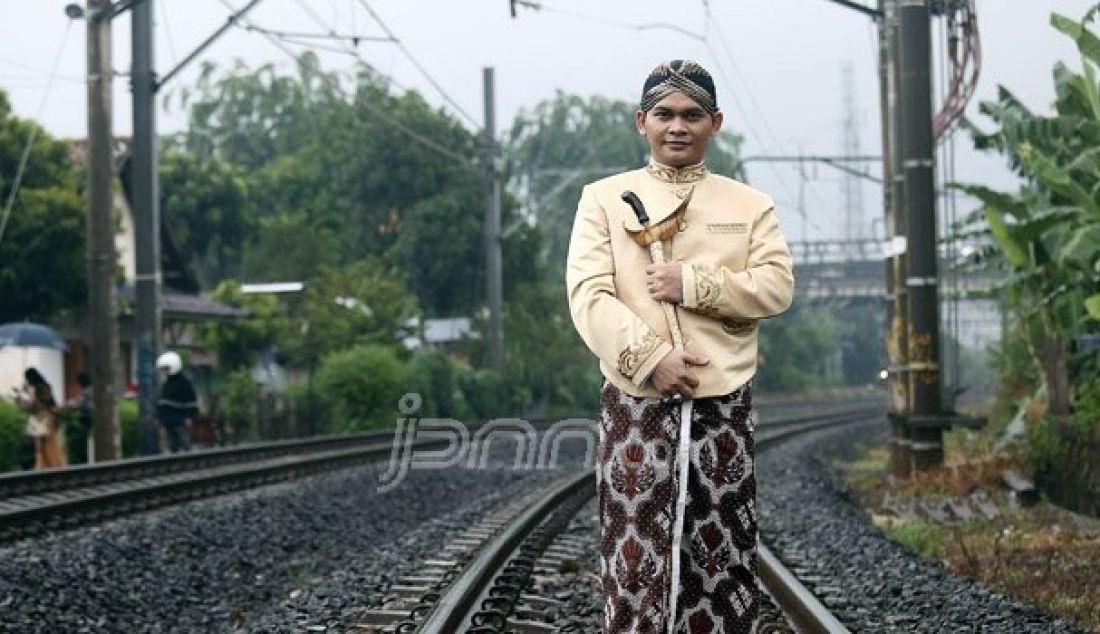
{"x": 665, "y": 282}
{"x": 673, "y": 373}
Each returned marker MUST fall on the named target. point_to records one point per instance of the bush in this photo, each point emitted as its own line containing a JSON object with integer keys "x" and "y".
{"x": 433, "y": 375}
{"x": 309, "y": 411}
{"x": 362, "y": 386}
{"x": 1064, "y": 455}
{"x": 488, "y": 394}
{"x": 13, "y": 442}
{"x": 237, "y": 406}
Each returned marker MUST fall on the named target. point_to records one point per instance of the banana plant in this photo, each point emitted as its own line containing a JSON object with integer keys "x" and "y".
{"x": 1048, "y": 232}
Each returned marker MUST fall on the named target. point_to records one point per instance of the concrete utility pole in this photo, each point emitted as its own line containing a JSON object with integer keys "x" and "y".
{"x": 102, "y": 259}
{"x": 925, "y": 423}
{"x": 494, "y": 282}
{"x": 897, "y": 229}
{"x": 146, "y": 210}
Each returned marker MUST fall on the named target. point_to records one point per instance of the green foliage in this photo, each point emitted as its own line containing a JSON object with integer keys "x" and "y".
{"x": 331, "y": 183}
{"x": 362, "y": 386}
{"x": 919, "y": 536}
{"x": 795, "y": 351}
{"x": 1048, "y": 232}
{"x": 237, "y": 405}
{"x": 13, "y": 421}
{"x": 548, "y": 357}
{"x": 437, "y": 269}
{"x": 363, "y": 303}
{"x": 239, "y": 342}
{"x": 205, "y": 204}
{"x": 489, "y": 394}
{"x": 1064, "y": 454}
{"x": 434, "y": 376}
{"x": 42, "y": 264}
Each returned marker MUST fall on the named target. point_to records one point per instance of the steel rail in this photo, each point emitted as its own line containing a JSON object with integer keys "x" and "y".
{"x": 455, "y": 605}
{"x": 52, "y": 480}
{"x": 95, "y": 503}
{"x": 21, "y": 483}
{"x": 454, "y": 608}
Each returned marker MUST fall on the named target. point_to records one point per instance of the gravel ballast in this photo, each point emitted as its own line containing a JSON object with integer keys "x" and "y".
{"x": 299, "y": 556}
{"x": 874, "y": 584}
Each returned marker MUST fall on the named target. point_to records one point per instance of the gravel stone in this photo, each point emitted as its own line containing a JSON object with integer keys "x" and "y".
{"x": 805, "y": 518}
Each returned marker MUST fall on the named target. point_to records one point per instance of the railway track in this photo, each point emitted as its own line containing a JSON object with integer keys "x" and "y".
{"x": 477, "y": 584}
{"x": 32, "y": 503}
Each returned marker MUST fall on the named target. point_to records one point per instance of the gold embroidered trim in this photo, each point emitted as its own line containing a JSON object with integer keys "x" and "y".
{"x": 707, "y": 287}
{"x": 632, "y": 357}
{"x": 677, "y": 175}
{"x": 734, "y": 327}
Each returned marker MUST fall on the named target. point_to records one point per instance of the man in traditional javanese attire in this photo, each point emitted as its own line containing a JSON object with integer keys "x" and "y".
{"x": 667, "y": 290}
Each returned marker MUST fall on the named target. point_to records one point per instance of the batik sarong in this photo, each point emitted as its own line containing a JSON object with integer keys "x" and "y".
{"x": 639, "y": 473}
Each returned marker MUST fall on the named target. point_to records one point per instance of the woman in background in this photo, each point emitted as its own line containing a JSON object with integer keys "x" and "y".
{"x": 43, "y": 425}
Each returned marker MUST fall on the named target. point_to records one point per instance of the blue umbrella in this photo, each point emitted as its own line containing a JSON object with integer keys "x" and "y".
{"x": 28, "y": 335}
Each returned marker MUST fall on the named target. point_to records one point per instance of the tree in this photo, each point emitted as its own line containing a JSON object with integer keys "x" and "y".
{"x": 205, "y": 203}
{"x": 795, "y": 351}
{"x": 336, "y": 176}
{"x": 1047, "y": 234}
{"x": 238, "y": 343}
{"x": 364, "y": 303}
{"x": 42, "y": 267}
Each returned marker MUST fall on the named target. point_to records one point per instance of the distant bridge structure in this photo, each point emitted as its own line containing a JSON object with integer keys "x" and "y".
{"x": 852, "y": 272}
{"x": 856, "y": 270}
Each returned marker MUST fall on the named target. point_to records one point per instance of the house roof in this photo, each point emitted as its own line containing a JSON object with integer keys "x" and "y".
{"x": 178, "y": 306}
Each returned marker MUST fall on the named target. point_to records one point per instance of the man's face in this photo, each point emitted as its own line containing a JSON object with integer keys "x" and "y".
{"x": 678, "y": 130}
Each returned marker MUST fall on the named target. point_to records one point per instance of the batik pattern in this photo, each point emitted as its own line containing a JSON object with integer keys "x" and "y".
{"x": 637, "y": 478}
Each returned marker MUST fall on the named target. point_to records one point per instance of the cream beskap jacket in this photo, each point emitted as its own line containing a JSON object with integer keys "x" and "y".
{"x": 736, "y": 270}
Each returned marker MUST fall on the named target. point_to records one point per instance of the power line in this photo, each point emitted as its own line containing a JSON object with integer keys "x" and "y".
{"x": 348, "y": 50}
{"x": 372, "y": 108}
{"x": 423, "y": 71}
{"x": 168, "y": 32}
{"x": 31, "y": 137}
{"x": 748, "y": 123}
{"x": 630, "y": 26}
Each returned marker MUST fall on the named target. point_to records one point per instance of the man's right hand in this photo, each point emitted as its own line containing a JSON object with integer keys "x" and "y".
{"x": 673, "y": 373}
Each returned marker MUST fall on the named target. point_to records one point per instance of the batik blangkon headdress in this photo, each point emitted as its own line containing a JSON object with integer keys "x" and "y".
{"x": 683, "y": 76}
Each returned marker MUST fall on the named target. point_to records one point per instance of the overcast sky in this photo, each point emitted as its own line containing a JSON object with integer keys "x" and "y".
{"x": 778, "y": 65}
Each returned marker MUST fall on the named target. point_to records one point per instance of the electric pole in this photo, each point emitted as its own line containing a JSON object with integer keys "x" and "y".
{"x": 901, "y": 459}
{"x": 102, "y": 260}
{"x": 921, "y": 280}
{"x": 492, "y": 227}
{"x": 146, "y": 210}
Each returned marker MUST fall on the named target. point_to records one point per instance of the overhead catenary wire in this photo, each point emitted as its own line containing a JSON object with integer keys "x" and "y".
{"x": 25, "y": 157}
{"x": 420, "y": 67}
{"x": 372, "y": 108}
{"x": 784, "y": 185}
{"x": 168, "y": 32}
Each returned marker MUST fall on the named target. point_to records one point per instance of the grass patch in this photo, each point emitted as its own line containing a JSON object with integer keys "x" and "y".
{"x": 919, "y": 536}
{"x": 1043, "y": 555}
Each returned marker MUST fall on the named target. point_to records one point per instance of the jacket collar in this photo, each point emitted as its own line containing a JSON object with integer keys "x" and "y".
{"x": 661, "y": 198}
{"x": 677, "y": 175}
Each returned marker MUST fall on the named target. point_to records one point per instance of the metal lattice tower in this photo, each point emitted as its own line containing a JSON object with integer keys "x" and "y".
{"x": 851, "y": 186}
